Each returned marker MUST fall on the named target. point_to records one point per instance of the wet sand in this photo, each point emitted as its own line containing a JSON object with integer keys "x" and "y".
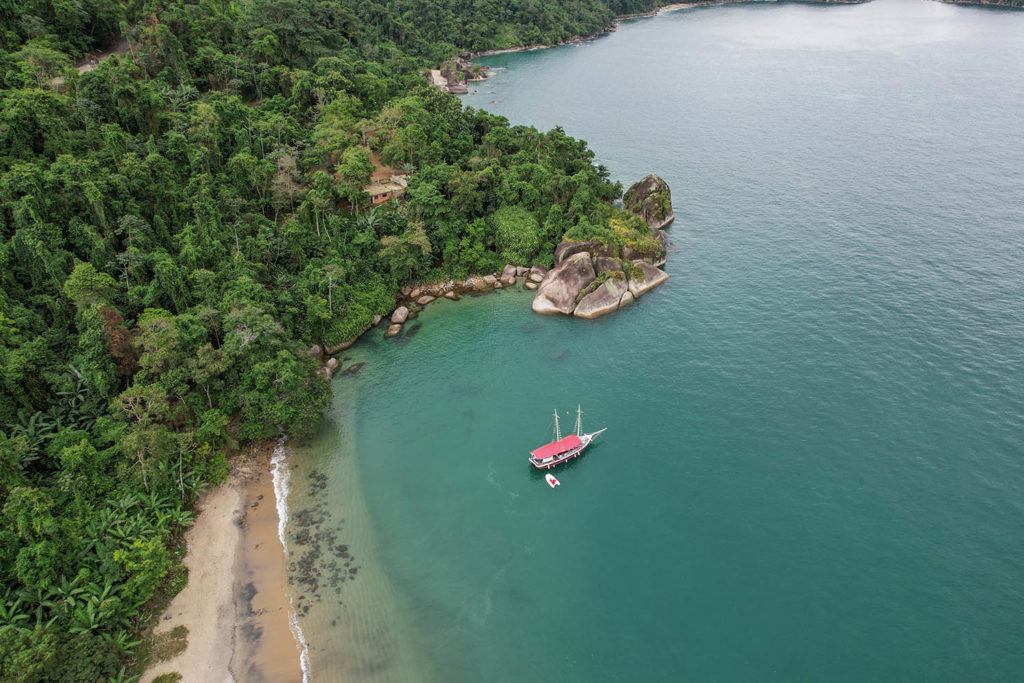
{"x": 235, "y": 605}
{"x": 265, "y": 649}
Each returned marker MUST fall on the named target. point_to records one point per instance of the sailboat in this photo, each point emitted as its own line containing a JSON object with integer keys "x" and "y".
{"x": 563, "y": 449}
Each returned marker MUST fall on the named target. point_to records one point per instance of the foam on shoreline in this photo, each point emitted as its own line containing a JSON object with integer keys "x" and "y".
{"x": 281, "y": 476}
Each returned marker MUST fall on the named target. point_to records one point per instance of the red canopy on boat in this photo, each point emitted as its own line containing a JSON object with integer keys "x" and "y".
{"x": 556, "y": 447}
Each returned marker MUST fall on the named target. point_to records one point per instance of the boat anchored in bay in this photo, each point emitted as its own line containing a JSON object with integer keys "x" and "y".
{"x": 563, "y": 449}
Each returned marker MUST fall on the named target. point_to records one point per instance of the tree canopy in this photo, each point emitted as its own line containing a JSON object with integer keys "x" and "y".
{"x": 180, "y": 223}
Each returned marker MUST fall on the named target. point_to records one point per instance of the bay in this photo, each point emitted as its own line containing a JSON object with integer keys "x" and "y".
{"x": 815, "y": 448}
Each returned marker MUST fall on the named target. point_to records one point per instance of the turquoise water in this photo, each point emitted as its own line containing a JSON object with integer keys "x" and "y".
{"x": 815, "y": 448}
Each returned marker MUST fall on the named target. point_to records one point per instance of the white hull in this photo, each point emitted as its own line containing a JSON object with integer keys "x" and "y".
{"x": 585, "y": 440}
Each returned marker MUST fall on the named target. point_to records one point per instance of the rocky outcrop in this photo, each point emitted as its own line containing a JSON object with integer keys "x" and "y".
{"x": 626, "y": 272}
{"x": 558, "y": 292}
{"x": 650, "y": 199}
{"x": 628, "y": 264}
{"x": 567, "y": 249}
{"x": 607, "y": 264}
{"x": 337, "y": 348}
{"x": 569, "y": 287}
{"x": 651, "y": 278}
{"x": 508, "y": 275}
{"x": 400, "y": 315}
{"x": 602, "y": 300}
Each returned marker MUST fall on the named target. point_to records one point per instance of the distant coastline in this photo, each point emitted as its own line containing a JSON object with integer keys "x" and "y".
{"x": 669, "y": 8}
{"x": 1008, "y": 4}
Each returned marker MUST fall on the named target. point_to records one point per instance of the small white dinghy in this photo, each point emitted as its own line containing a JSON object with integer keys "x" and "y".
{"x": 552, "y": 482}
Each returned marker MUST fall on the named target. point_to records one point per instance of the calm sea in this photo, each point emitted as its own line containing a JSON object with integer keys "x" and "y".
{"x": 814, "y": 463}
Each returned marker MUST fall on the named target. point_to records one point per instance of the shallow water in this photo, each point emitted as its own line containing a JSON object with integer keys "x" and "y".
{"x": 815, "y": 448}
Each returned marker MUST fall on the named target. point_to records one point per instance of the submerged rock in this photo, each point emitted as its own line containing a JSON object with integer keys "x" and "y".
{"x": 650, "y": 199}
{"x": 393, "y": 330}
{"x": 561, "y": 286}
{"x": 353, "y": 369}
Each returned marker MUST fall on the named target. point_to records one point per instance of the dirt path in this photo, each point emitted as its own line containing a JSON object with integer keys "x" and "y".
{"x": 93, "y": 59}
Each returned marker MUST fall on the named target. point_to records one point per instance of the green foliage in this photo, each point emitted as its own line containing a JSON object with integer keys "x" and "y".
{"x": 179, "y": 225}
{"x": 86, "y": 286}
{"x": 631, "y": 231}
{"x": 618, "y": 229}
{"x": 517, "y": 234}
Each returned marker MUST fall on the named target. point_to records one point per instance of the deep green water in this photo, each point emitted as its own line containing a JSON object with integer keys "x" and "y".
{"x": 815, "y": 449}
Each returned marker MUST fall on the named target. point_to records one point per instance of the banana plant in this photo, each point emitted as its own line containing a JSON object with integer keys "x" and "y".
{"x": 179, "y": 518}
{"x": 124, "y": 677}
{"x": 43, "y": 605}
{"x": 36, "y": 428}
{"x": 11, "y": 612}
{"x": 86, "y": 619}
{"x": 154, "y": 501}
{"x": 67, "y": 594}
{"x": 126, "y": 503}
{"x": 123, "y": 640}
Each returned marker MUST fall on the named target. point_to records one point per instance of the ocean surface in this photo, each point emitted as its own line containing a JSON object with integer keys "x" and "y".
{"x": 814, "y": 463}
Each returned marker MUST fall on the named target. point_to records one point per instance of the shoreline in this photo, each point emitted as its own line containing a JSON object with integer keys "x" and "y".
{"x": 1002, "y": 4}
{"x": 678, "y": 6}
{"x": 236, "y": 604}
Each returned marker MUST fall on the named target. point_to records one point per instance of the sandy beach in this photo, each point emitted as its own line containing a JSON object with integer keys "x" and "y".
{"x": 235, "y": 605}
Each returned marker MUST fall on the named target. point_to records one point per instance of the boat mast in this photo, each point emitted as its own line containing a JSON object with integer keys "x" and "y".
{"x": 579, "y": 420}
{"x": 558, "y": 430}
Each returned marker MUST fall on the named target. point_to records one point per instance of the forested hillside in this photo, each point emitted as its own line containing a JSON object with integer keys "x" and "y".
{"x": 181, "y": 223}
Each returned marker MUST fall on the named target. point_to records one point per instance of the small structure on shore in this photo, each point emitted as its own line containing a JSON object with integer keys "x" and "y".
{"x": 455, "y": 75}
{"x": 382, "y": 190}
